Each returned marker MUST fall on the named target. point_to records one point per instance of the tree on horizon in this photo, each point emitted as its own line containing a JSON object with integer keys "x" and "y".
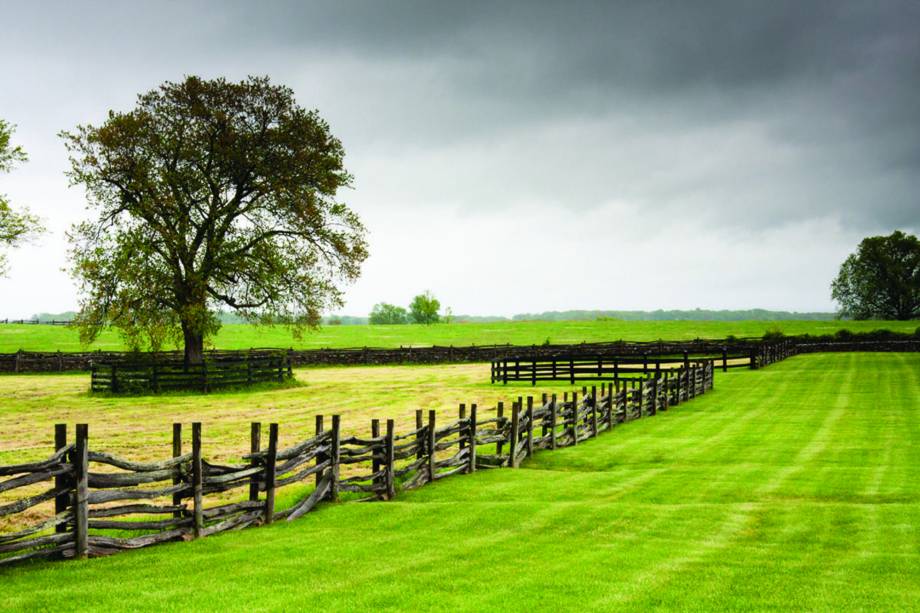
{"x": 881, "y": 280}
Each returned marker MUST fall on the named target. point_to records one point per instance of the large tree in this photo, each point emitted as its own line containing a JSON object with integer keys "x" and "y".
{"x": 15, "y": 226}
{"x": 881, "y": 280}
{"x": 210, "y": 195}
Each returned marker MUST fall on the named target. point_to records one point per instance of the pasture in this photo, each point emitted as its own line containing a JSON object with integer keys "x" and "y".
{"x": 28, "y": 337}
{"x": 796, "y": 486}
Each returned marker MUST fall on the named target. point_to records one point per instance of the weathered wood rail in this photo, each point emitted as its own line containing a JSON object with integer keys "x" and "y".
{"x": 80, "y": 502}
{"x": 164, "y": 373}
{"x": 594, "y": 367}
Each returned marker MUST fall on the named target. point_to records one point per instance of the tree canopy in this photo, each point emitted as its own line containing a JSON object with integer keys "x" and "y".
{"x": 15, "y": 227}
{"x": 210, "y": 195}
{"x": 424, "y": 309}
{"x": 384, "y": 313}
{"x": 881, "y": 280}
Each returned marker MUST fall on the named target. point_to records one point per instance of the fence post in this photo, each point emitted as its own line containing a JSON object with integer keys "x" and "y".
{"x": 724, "y": 359}
{"x": 611, "y": 411}
{"x": 515, "y": 432}
{"x": 572, "y": 372}
{"x": 419, "y": 441}
{"x": 529, "y": 426}
{"x": 504, "y": 372}
{"x": 472, "y": 464}
{"x": 60, "y": 482}
{"x": 643, "y": 409}
{"x": 543, "y": 427}
{"x": 389, "y": 468}
{"x": 334, "y": 458}
{"x": 593, "y": 410}
{"x": 177, "y": 477}
{"x": 255, "y": 444}
{"x": 499, "y": 425}
{"x": 320, "y": 457}
{"x": 270, "y": 460}
{"x": 196, "y": 479}
{"x": 574, "y": 418}
{"x": 81, "y": 492}
{"x": 432, "y": 424}
{"x": 461, "y": 415}
{"x": 552, "y": 423}
{"x": 686, "y": 359}
{"x": 375, "y": 458}
{"x": 533, "y": 373}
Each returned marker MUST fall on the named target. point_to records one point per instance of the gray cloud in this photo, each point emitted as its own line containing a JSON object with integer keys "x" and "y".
{"x": 744, "y": 120}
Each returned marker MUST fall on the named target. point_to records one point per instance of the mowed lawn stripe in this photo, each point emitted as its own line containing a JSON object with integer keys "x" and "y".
{"x": 792, "y": 487}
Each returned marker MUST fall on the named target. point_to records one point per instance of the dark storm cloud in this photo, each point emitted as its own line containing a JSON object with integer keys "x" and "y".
{"x": 833, "y": 86}
{"x": 778, "y": 132}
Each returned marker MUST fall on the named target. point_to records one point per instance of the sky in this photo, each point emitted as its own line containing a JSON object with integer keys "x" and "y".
{"x": 524, "y": 156}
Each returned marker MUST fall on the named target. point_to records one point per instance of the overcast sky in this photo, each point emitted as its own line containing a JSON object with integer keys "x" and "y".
{"x": 520, "y": 157}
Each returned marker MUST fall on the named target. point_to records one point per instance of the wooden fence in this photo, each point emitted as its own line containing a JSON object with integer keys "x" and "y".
{"x": 217, "y": 371}
{"x": 34, "y": 361}
{"x": 103, "y": 504}
{"x": 593, "y": 367}
{"x": 44, "y": 322}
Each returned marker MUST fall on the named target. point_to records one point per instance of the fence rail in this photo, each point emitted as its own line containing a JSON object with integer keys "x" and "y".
{"x": 80, "y": 502}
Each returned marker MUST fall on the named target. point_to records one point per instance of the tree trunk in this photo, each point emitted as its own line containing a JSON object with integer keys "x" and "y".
{"x": 194, "y": 346}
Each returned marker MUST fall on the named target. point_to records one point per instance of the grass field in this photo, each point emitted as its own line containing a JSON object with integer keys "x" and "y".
{"x": 140, "y": 426}
{"x": 794, "y": 487}
{"x": 238, "y": 336}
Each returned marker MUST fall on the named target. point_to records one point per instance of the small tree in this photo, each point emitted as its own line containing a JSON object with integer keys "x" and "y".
{"x": 210, "y": 195}
{"x": 384, "y": 313}
{"x": 424, "y": 309}
{"x": 15, "y": 227}
{"x": 881, "y": 280}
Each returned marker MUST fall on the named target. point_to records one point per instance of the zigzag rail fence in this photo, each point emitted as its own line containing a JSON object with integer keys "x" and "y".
{"x": 103, "y": 504}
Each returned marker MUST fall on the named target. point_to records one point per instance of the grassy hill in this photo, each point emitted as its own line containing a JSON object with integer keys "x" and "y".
{"x": 794, "y": 487}
{"x": 242, "y": 336}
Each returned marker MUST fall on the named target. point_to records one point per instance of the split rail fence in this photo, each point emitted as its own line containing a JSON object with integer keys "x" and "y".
{"x": 103, "y": 504}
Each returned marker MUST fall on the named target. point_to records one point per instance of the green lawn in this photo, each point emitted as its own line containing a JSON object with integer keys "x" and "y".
{"x": 793, "y": 487}
{"x": 238, "y": 336}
